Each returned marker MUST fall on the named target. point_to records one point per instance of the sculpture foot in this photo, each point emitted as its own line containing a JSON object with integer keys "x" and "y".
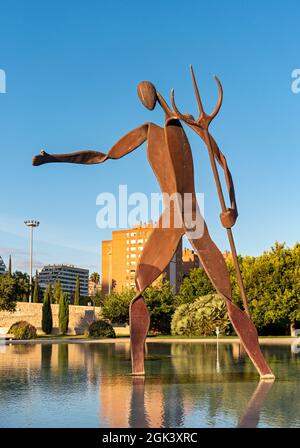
{"x": 268, "y": 376}
{"x": 247, "y": 333}
{"x": 139, "y": 326}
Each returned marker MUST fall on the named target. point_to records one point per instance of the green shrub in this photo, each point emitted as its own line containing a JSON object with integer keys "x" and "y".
{"x": 101, "y": 329}
{"x": 201, "y": 317}
{"x": 23, "y": 330}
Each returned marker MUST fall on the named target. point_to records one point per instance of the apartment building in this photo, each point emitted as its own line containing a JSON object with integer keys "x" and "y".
{"x": 120, "y": 256}
{"x": 66, "y": 275}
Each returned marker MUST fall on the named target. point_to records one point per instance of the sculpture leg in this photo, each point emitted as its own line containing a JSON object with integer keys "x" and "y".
{"x": 250, "y": 418}
{"x": 139, "y": 320}
{"x": 214, "y": 265}
{"x": 157, "y": 254}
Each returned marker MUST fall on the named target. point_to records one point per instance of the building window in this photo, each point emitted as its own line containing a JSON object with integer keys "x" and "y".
{"x": 133, "y": 241}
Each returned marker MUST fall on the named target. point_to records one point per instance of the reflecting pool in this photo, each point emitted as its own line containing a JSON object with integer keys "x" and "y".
{"x": 188, "y": 384}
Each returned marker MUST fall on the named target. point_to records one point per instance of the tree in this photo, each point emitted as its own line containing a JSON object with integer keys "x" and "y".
{"x": 116, "y": 306}
{"x": 201, "y": 317}
{"x": 77, "y": 291}
{"x": 272, "y": 283}
{"x": 158, "y": 298}
{"x": 22, "y": 290}
{"x": 197, "y": 284}
{"x": 36, "y": 288}
{"x": 160, "y": 302}
{"x": 95, "y": 278}
{"x": 63, "y": 313}
{"x": 7, "y": 293}
{"x": 47, "y": 320}
{"x": 9, "y": 267}
{"x": 57, "y": 292}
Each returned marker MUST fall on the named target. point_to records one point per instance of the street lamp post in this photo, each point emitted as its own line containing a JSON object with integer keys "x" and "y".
{"x": 31, "y": 223}
{"x": 218, "y": 360}
{"x": 109, "y": 273}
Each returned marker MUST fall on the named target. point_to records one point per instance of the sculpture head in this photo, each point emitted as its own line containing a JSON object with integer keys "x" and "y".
{"x": 147, "y": 94}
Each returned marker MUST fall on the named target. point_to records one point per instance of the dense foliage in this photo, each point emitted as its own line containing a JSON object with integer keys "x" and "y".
{"x": 272, "y": 283}
{"x": 7, "y": 293}
{"x": 23, "y": 330}
{"x": 160, "y": 302}
{"x": 196, "y": 284}
{"x": 22, "y": 288}
{"x": 116, "y": 306}
{"x": 201, "y": 317}
{"x": 101, "y": 329}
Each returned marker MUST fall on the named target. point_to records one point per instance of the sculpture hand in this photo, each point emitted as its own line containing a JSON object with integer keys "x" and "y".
{"x": 228, "y": 218}
{"x": 82, "y": 157}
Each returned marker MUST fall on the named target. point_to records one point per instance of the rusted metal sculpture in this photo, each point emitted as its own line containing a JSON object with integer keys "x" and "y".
{"x": 251, "y": 415}
{"x": 170, "y": 157}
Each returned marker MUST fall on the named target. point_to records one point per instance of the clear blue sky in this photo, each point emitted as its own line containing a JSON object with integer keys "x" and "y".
{"x": 72, "y": 69}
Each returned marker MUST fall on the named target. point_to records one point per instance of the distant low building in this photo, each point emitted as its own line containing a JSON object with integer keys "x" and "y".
{"x": 227, "y": 255}
{"x": 190, "y": 260}
{"x": 66, "y": 275}
{"x": 3, "y": 269}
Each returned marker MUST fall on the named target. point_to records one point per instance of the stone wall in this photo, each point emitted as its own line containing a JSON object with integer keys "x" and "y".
{"x": 79, "y": 318}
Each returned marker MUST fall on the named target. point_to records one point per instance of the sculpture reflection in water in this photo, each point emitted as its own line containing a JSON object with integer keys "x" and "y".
{"x": 170, "y": 157}
{"x": 251, "y": 416}
{"x": 174, "y": 406}
{"x": 139, "y": 418}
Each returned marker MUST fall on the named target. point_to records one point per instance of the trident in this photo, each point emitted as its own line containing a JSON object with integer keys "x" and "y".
{"x": 200, "y": 126}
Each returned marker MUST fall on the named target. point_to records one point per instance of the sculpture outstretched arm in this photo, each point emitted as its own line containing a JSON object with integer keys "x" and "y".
{"x": 124, "y": 146}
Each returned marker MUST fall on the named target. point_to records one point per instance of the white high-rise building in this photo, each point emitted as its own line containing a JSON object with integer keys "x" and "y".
{"x": 66, "y": 275}
{"x": 3, "y": 269}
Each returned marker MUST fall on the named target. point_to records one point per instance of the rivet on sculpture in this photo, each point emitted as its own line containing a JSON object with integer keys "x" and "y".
{"x": 170, "y": 157}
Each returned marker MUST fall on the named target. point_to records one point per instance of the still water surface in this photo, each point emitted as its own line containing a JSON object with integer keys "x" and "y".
{"x": 188, "y": 384}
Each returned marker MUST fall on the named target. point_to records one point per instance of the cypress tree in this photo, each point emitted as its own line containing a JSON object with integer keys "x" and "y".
{"x": 77, "y": 291}
{"x": 36, "y": 288}
{"x": 57, "y": 292}
{"x": 9, "y": 267}
{"x": 51, "y": 294}
{"x": 47, "y": 321}
{"x": 63, "y": 313}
